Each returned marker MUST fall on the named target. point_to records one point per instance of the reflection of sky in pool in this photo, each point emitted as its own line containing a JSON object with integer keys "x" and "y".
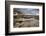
{"x": 27, "y": 11}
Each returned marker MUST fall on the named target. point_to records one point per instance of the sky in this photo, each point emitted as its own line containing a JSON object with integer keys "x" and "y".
{"x": 27, "y": 11}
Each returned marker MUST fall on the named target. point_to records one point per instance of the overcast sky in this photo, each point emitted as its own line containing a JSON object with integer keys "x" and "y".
{"x": 27, "y": 11}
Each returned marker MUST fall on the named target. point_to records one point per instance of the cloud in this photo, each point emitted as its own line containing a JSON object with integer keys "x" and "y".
{"x": 28, "y": 11}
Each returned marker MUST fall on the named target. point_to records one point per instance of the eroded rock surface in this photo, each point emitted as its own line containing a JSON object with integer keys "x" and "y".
{"x": 32, "y": 22}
